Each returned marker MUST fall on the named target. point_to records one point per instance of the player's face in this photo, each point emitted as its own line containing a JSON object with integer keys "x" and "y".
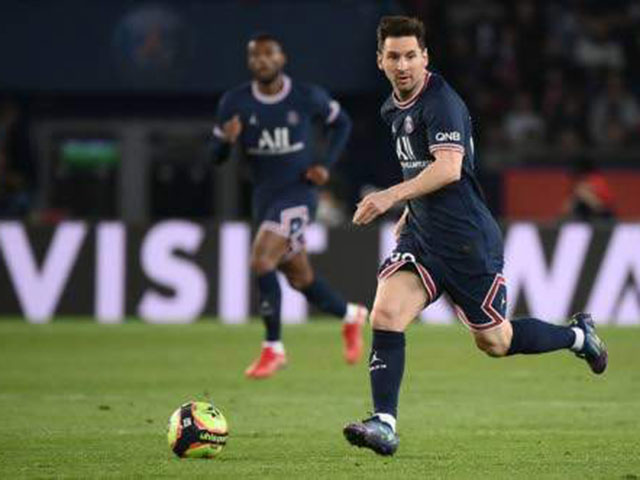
{"x": 265, "y": 59}
{"x": 403, "y": 62}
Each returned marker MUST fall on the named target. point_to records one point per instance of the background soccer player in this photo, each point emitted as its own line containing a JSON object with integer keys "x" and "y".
{"x": 448, "y": 241}
{"x": 271, "y": 118}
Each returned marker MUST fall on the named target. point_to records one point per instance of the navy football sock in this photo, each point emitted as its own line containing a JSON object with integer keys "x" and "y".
{"x": 325, "y": 298}
{"x": 270, "y": 299}
{"x": 531, "y": 335}
{"x": 386, "y": 366}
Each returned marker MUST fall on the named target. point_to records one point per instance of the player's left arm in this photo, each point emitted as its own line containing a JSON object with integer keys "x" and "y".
{"x": 338, "y": 131}
{"x": 337, "y": 127}
{"x": 446, "y": 169}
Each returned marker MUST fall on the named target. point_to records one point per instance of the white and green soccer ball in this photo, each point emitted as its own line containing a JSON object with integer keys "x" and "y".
{"x": 197, "y": 430}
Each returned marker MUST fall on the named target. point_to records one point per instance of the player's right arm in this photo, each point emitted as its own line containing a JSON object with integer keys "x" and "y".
{"x": 226, "y": 130}
{"x": 446, "y": 169}
{"x": 445, "y": 131}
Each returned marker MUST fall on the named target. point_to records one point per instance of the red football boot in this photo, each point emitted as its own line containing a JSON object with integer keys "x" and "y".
{"x": 267, "y": 364}
{"x": 352, "y": 335}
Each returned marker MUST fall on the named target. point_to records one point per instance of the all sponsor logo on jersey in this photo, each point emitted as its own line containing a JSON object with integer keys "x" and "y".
{"x": 275, "y": 143}
{"x": 453, "y": 136}
{"x": 404, "y": 150}
{"x": 279, "y": 140}
{"x": 408, "y": 124}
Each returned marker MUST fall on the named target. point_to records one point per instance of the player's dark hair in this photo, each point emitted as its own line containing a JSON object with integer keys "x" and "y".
{"x": 266, "y": 37}
{"x": 400, "y": 26}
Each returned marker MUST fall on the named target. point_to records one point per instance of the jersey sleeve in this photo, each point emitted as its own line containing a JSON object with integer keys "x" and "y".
{"x": 323, "y": 106}
{"x": 445, "y": 120}
{"x": 219, "y": 147}
{"x": 224, "y": 112}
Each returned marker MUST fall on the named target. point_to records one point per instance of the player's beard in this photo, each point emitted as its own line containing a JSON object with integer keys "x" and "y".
{"x": 268, "y": 79}
{"x": 408, "y": 89}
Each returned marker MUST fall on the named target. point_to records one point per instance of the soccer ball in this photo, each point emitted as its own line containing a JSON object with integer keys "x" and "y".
{"x": 197, "y": 430}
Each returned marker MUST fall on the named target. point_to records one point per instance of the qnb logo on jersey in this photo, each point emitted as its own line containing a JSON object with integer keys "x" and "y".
{"x": 448, "y": 136}
{"x": 275, "y": 142}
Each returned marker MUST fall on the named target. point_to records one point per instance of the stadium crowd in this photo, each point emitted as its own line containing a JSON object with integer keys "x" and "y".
{"x": 553, "y": 82}
{"x": 557, "y": 73}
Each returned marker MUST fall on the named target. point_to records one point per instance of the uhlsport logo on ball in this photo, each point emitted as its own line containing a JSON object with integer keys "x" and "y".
{"x": 197, "y": 430}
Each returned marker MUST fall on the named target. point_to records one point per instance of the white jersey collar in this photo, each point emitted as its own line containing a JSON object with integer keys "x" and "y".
{"x": 276, "y": 97}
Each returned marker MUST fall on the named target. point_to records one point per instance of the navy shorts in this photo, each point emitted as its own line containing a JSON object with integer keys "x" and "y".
{"x": 288, "y": 216}
{"x": 480, "y": 301}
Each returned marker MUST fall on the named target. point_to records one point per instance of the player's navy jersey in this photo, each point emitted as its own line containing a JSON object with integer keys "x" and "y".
{"x": 277, "y": 133}
{"x": 453, "y": 222}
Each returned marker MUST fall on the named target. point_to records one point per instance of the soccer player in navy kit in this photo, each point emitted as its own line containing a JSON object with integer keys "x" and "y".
{"x": 447, "y": 240}
{"x": 271, "y": 119}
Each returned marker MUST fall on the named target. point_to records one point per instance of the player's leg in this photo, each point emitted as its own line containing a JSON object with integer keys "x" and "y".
{"x": 267, "y": 252}
{"x": 301, "y": 276}
{"x": 483, "y": 308}
{"x": 531, "y": 336}
{"x": 299, "y": 272}
{"x": 399, "y": 299}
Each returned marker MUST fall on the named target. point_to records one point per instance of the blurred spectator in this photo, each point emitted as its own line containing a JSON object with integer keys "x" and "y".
{"x": 614, "y": 115}
{"x": 595, "y": 48}
{"x": 553, "y": 91}
{"x": 529, "y": 32}
{"x": 592, "y": 197}
{"x": 506, "y": 62}
{"x": 465, "y": 65}
{"x": 523, "y": 124}
{"x": 560, "y": 76}
{"x": 562, "y": 32}
{"x": 564, "y": 110}
{"x": 531, "y": 69}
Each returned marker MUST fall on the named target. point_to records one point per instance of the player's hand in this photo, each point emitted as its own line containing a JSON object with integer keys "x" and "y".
{"x": 317, "y": 174}
{"x": 372, "y": 206}
{"x": 399, "y": 226}
{"x": 232, "y": 129}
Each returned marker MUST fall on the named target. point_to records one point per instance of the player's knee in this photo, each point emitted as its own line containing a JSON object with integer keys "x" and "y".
{"x": 300, "y": 280}
{"x": 493, "y": 346}
{"x": 261, "y": 264}
{"x": 384, "y": 317}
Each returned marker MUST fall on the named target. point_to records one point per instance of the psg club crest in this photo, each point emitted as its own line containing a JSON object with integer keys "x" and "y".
{"x": 408, "y": 124}
{"x": 293, "y": 118}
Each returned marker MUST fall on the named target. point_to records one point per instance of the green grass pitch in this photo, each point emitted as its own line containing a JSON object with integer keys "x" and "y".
{"x": 81, "y": 400}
